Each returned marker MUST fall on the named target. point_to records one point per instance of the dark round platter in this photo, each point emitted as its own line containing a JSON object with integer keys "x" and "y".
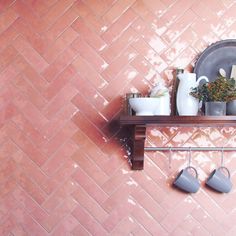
{"x": 221, "y": 54}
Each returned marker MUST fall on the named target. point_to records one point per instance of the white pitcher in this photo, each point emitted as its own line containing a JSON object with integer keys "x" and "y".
{"x": 187, "y": 105}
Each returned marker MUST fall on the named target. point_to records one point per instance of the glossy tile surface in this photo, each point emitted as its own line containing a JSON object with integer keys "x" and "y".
{"x": 65, "y": 67}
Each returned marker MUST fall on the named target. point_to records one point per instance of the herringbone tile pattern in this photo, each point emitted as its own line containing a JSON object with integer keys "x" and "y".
{"x": 65, "y": 66}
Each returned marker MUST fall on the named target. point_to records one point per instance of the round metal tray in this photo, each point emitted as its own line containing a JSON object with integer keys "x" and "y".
{"x": 221, "y": 54}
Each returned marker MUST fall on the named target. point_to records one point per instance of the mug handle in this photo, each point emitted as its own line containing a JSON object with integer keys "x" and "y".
{"x": 195, "y": 171}
{"x": 227, "y": 170}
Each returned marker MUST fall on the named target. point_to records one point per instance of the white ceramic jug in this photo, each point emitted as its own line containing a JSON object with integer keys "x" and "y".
{"x": 187, "y": 105}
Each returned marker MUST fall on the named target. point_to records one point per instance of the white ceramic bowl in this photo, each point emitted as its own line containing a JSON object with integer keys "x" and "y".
{"x": 144, "y": 106}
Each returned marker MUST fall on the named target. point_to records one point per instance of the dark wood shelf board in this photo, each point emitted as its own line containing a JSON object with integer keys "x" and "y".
{"x": 179, "y": 120}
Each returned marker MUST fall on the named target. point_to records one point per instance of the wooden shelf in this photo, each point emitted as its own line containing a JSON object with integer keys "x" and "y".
{"x": 138, "y": 124}
{"x": 179, "y": 120}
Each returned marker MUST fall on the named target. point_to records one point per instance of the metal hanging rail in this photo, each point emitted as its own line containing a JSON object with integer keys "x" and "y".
{"x": 190, "y": 148}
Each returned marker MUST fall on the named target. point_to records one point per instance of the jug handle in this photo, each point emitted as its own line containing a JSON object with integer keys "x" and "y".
{"x": 202, "y": 78}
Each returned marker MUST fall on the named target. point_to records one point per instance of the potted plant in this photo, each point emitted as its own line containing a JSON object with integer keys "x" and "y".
{"x": 215, "y": 95}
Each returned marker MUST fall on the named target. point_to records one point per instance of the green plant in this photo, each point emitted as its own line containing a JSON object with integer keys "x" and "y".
{"x": 219, "y": 90}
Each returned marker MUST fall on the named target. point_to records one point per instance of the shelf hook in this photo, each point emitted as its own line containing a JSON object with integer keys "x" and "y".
{"x": 170, "y": 157}
{"x": 222, "y": 156}
{"x": 189, "y": 156}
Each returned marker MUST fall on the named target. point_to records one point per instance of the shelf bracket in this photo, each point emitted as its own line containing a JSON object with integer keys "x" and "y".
{"x": 137, "y": 146}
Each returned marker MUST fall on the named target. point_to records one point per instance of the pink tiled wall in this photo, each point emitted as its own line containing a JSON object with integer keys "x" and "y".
{"x": 65, "y": 66}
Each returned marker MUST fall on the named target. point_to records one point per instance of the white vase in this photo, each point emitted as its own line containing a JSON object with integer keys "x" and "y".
{"x": 163, "y": 108}
{"x": 187, "y": 105}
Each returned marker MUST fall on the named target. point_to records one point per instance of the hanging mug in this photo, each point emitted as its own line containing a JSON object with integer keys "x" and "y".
{"x": 220, "y": 181}
{"x": 186, "y": 181}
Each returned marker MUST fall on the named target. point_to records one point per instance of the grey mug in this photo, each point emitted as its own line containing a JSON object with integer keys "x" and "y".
{"x": 186, "y": 181}
{"x": 219, "y": 181}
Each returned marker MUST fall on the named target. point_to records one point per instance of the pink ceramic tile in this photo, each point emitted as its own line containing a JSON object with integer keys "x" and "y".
{"x": 37, "y": 81}
{"x": 57, "y": 122}
{"x": 157, "y": 193}
{"x": 154, "y": 40}
{"x": 61, "y": 80}
{"x": 88, "y": 222}
{"x": 205, "y": 13}
{"x": 23, "y": 86}
{"x": 97, "y": 24}
{"x": 7, "y": 18}
{"x": 83, "y": 10}
{"x": 118, "y": 214}
{"x": 25, "y": 12}
{"x": 7, "y": 36}
{"x": 7, "y": 55}
{"x": 90, "y": 186}
{"x": 89, "y": 110}
{"x": 119, "y": 46}
{"x": 31, "y": 169}
{"x": 57, "y": 10}
{"x": 148, "y": 203}
{"x": 86, "y": 88}
{"x": 61, "y": 25}
{"x": 120, "y": 195}
{"x": 90, "y": 148}
{"x": 34, "y": 59}
{"x": 116, "y": 180}
{"x": 117, "y": 10}
{"x": 181, "y": 211}
{"x": 59, "y": 159}
{"x": 19, "y": 138}
{"x": 94, "y": 171}
{"x": 7, "y": 226}
{"x": 59, "y": 138}
{"x": 8, "y": 186}
{"x": 38, "y": 42}
{"x": 176, "y": 10}
{"x": 58, "y": 196}
{"x": 128, "y": 224}
{"x": 60, "y": 213}
{"x": 40, "y": 8}
{"x": 85, "y": 125}
{"x": 94, "y": 77}
{"x": 32, "y": 114}
{"x": 89, "y": 55}
{"x": 200, "y": 231}
{"x": 117, "y": 65}
{"x": 59, "y": 101}
{"x": 179, "y": 26}
{"x": 31, "y": 188}
{"x": 100, "y": 7}
{"x": 126, "y": 75}
{"x": 67, "y": 226}
{"x": 8, "y": 148}
{"x": 157, "y": 62}
{"x": 141, "y": 8}
{"x": 157, "y": 7}
{"x": 80, "y": 230}
{"x": 119, "y": 27}
{"x": 65, "y": 39}
{"x": 152, "y": 226}
{"x": 90, "y": 205}
{"x": 94, "y": 40}
{"x": 62, "y": 61}
{"x": 28, "y": 203}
